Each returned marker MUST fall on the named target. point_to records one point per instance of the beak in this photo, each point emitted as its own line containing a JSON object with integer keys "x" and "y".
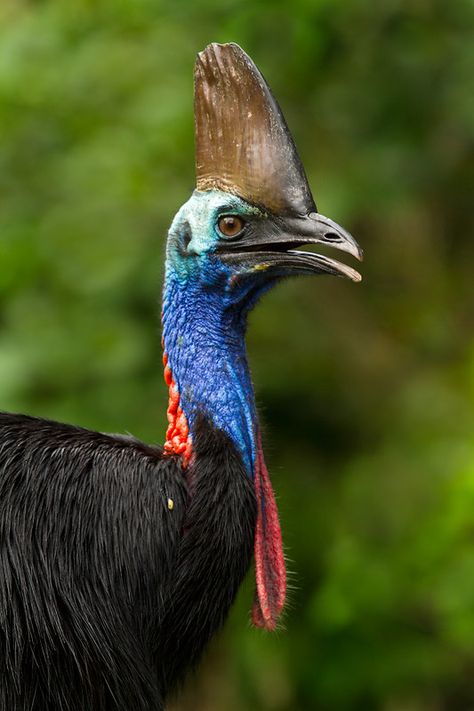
{"x": 274, "y": 248}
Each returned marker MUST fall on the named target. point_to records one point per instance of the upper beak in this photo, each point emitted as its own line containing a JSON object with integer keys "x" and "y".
{"x": 316, "y": 228}
{"x": 272, "y": 249}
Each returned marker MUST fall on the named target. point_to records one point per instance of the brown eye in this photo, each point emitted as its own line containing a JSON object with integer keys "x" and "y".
{"x": 230, "y": 225}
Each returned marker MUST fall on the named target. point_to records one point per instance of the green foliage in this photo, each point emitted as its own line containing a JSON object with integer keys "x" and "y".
{"x": 367, "y": 391}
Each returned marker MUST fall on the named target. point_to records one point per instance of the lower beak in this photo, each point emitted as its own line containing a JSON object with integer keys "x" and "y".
{"x": 294, "y": 262}
{"x": 275, "y": 250}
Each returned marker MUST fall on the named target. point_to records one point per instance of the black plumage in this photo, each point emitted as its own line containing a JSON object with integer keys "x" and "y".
{"x": 104, "y": 601}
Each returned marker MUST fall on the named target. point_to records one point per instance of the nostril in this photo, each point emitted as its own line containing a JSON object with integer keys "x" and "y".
{"x": 332, "y": 237}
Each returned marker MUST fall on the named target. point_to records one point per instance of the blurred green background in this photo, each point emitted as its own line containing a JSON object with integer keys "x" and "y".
{"x": 366, "y": 392}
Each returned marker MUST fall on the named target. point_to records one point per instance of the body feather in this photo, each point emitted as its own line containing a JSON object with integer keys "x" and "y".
{"x": 107, "y": 594}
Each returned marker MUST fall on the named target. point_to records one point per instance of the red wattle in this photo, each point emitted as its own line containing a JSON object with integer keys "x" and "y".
{"x": 270, "y": 569}
{"x": 178, "y": 437}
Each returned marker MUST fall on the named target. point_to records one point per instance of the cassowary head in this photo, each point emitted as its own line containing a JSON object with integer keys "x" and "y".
{"x": 252, "y": 207}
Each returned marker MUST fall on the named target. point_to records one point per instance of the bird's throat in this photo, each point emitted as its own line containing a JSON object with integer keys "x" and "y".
{"x": 206, "y": 368}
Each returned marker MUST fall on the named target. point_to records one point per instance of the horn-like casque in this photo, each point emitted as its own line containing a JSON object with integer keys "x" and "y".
{"x": 243, "y": 144}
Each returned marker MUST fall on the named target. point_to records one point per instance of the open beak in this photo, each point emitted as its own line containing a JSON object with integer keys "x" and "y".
{"x": 275, "y": 248}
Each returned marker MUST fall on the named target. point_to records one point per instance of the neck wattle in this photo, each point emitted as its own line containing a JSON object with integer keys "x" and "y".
{"x": 178, "y": 438}
{"x": 206, "y": 371}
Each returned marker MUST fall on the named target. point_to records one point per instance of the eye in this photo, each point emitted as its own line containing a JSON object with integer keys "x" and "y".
{"x": 230, "y": 225}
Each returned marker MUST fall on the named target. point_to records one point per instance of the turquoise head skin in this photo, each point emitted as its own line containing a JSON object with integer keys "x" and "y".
{"x": 194, "y": 235}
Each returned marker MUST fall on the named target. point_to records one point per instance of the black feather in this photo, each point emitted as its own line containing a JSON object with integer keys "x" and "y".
{"x": 108, "y": 595}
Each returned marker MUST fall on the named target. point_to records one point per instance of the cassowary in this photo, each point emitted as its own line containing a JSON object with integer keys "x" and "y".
{"x": 119, "y": 560}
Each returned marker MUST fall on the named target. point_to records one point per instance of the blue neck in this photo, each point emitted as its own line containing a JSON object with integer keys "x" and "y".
{"x": 204, "y": 340}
